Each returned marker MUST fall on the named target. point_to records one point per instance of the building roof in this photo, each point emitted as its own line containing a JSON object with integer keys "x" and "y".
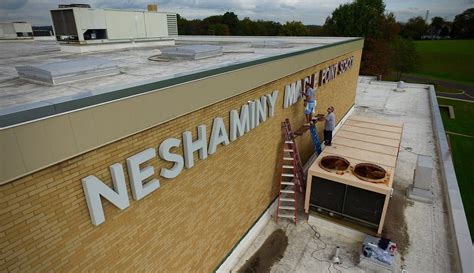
{"x": 423, "y": 232}
{"x": 137, "y": 69}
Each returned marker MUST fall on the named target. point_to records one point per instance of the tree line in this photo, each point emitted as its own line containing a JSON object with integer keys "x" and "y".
{"x": 388, "y": 44}
{"x": 229, "y": 24}
{"x": 462, "y": 27}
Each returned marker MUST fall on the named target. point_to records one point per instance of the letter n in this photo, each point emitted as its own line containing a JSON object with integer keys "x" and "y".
{"x": 94, "y": 189}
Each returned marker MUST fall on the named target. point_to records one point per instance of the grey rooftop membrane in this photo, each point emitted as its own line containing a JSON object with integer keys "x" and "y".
{"x": 25, "y": 100}
{"x": 271, "y": 44}
{"x": 192, "y": 52}
{"x": 68, "y": 71}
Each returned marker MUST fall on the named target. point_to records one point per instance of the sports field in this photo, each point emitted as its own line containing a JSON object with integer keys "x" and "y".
{"x": 460, "y": 132}
{"x": 451, "y": 60}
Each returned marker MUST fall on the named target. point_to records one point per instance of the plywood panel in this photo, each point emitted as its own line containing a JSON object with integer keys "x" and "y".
{"x": 370, "y": 139}
{"x": 360, "y": 144}
{"x": 376, "y": 121}
{"x": 374, "y": 126}
{"x": 370, "y": 132}
{"x": 368, "y": 156}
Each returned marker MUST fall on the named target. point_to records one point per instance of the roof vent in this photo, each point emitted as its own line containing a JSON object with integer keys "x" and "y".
{"x": 400, "y": 86}
{"x": 192, "y": 52}
{"x": 271, "y": 44}
{"x": 68, "y": 71}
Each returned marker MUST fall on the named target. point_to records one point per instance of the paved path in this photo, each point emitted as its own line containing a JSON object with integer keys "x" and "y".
{"x": 468, "y": 93}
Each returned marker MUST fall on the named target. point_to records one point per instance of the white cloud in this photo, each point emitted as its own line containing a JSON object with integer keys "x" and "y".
{"x": 307, "y": 11}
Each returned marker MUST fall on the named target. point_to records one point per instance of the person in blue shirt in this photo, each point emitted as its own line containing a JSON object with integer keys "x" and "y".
{"x": 310, "y": 102}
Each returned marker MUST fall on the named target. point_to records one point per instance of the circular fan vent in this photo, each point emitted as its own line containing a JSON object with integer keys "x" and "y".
{"x": 370, "y": 172}
{"x": 334, "y": 163}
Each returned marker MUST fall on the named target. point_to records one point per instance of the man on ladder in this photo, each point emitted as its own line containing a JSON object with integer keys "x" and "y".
{"x": 309, "y": 102}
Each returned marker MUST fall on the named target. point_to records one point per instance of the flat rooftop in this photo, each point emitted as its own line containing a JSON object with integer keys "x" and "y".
{"x": 422, "y": 231}
{"x": 136, "y": 69}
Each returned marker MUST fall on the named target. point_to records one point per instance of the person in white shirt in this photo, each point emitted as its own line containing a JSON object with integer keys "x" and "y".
{"x": 309, "y": 101}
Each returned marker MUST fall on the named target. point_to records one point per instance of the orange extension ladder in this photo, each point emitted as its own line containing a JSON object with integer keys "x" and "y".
{"x": 291, "y": 175}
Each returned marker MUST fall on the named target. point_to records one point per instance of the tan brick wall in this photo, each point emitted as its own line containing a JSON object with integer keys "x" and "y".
{"x": 189, "y": 224}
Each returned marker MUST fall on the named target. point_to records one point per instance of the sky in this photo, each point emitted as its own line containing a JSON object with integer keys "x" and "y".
{"x": 310, "y": 12}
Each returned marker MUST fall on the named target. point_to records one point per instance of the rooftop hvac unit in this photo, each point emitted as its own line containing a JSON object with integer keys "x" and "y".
{"x": 94, "y": 26}
{"x": 352, "y": 179}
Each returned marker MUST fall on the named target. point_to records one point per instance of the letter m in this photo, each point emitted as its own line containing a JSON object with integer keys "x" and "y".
{"x": 94, "y": 189}
{"x": 292, "y": 93}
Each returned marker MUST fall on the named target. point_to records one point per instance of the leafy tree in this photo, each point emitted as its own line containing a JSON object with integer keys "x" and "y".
{"x": 270, "y": 28}
{"x": 375, "y": 57}
{"x": 445, "y": 30}
{"x": 294, "y": 28}
{"x": 246, "y": 27}
{"x": 315, "y": 30}
{"x": 463, "y": 25}
{"x": 360, "y": 18}
{"x": 218, "y": 29}
{"x": 366, "y": 18}
{"x": 437, "y": 23}
{"x": 404, "y": 57}
{"x": 232, "y": 21}
{"x": 414, "y": 28}
{"x": 390, "y": 27}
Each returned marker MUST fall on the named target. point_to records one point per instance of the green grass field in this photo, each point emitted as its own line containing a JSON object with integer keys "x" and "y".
{"x": 464, "y": 112}
{"x": 463, "y": 149}
{"x": 451, "y": 60}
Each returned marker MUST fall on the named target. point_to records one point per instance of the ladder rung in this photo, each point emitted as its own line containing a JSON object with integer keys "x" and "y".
{"x": 286, "y": 216}
{"x": 288, "y": 167}
{"x": 288, "y": 158}
{"x": 287, "y": 175}
{"x": 287, "y": 208}
{"x": 287, "y": 183}
{"x": 287, "y": 199}
{"x": 287, "y": 191}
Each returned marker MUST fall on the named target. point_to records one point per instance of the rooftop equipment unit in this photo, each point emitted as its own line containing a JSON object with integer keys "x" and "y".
{"x": 353, "y": 178}
{"x": 78, "y": 23}
{"x": 68, "y": 71}
{"x": 191, "y": 52}
{"x": 16, "y": 31}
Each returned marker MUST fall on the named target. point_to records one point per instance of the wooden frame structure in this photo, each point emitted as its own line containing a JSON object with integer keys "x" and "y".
{"x": 362, "y": 140}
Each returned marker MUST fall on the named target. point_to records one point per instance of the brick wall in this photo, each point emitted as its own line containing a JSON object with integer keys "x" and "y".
{"x": 189, "y": 224}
